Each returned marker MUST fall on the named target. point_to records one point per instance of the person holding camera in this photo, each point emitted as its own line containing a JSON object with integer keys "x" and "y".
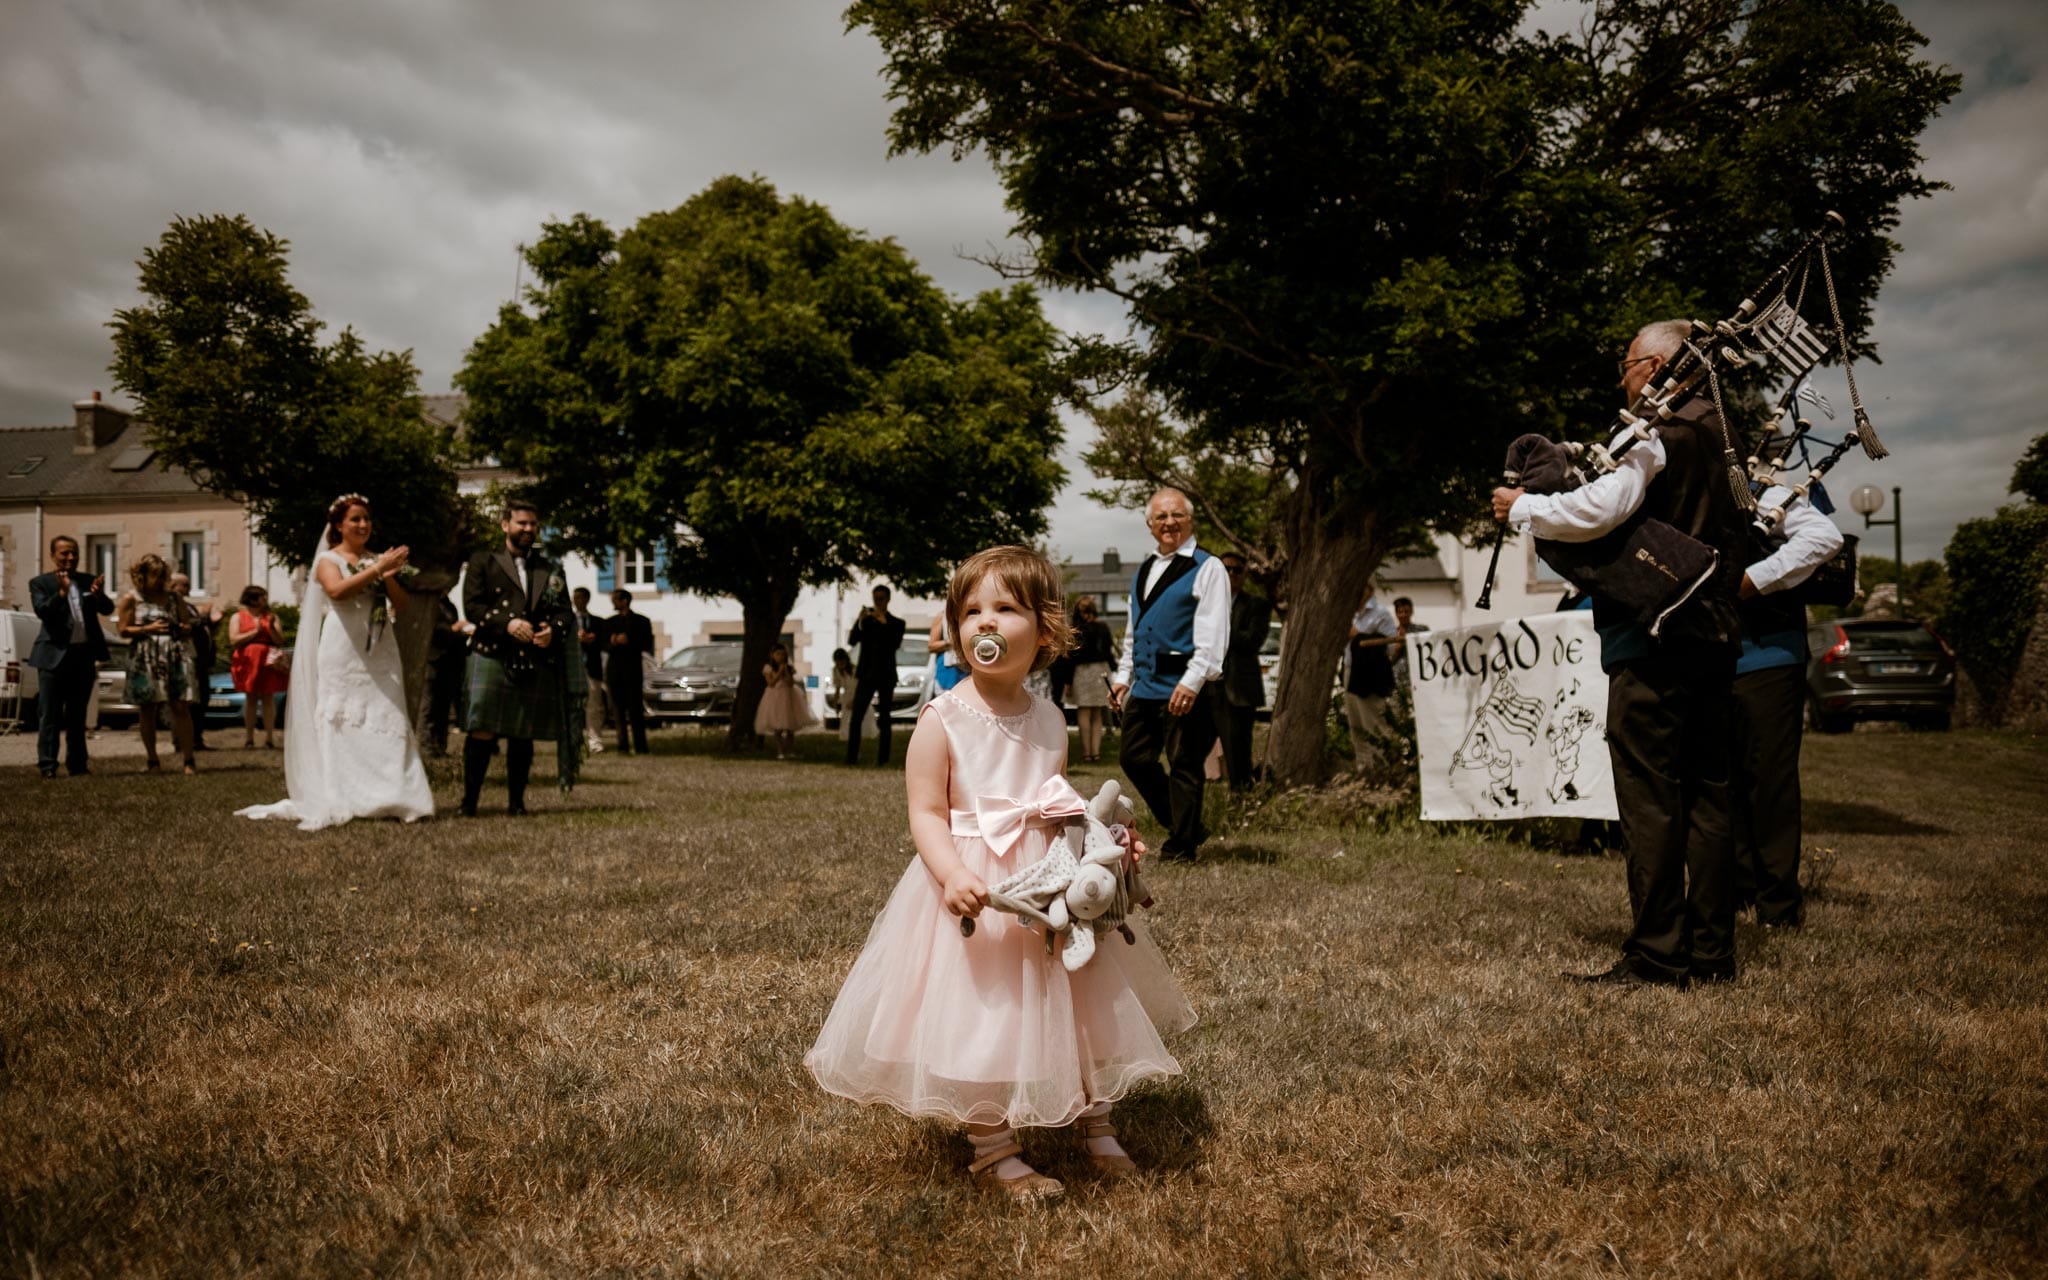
{"x": 878, "y": 634}
{"x": 163, "y": 674}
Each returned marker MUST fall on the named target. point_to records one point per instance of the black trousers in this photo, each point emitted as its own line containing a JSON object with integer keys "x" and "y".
{"x": 879, "y": 690}
{"x": 1172, "y": 791}
{"x": 629, "y": 710}
{"x": 1669, "y": 735}
{"x": 1234, "y": 725}
{"x": 62, "y": 698}
{"x": 1769, "y": 705}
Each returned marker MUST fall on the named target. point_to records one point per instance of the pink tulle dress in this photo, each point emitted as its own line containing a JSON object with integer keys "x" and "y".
{"x": 990, "y": 1029}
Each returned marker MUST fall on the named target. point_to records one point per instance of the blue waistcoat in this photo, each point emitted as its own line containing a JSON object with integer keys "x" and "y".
{"x": 1162, "y": 628}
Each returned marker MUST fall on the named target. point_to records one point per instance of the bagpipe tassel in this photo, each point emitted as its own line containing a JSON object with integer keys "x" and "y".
{"x": 1867, "y": 435}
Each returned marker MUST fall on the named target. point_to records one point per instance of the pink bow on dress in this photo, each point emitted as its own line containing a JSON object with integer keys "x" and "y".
{"x": 1002, "y": 819}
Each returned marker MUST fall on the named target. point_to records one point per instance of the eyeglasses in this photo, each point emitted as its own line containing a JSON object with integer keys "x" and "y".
{"x": 1622, "y": 365}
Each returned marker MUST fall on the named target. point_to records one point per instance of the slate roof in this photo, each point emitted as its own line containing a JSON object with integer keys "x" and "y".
{"x": 124, "y": 467}
{"x": 19, "y": 446}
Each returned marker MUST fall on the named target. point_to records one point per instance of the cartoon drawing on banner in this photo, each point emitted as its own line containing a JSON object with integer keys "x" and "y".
{"x": 1504, "y": 715}
{"x": 1517, "y": 711}
{"x": 1567, "y": 729}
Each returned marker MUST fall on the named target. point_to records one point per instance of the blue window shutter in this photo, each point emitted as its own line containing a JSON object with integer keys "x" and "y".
{"x": 607, "y": 572}
{"x": 660, "y": 566}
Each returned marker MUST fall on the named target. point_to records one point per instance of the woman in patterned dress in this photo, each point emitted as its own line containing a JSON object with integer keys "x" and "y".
{"x": 163, "y": 674}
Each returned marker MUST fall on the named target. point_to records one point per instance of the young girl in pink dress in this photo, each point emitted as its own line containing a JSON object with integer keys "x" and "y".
{"x": 988, "y": 1030}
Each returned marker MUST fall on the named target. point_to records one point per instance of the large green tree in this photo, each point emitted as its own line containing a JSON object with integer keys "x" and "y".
{"x": 1377, "y": 239}
{"x": 224, "y": 360}
{"x": 776, "y": 397}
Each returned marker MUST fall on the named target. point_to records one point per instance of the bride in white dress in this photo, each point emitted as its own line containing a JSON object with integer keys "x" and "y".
{"x": 349, "y": 749}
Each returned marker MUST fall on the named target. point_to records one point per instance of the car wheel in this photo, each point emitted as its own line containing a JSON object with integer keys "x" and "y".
{"x": 1822, "y": 722}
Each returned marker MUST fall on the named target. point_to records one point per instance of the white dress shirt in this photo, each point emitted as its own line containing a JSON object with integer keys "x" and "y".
{"x": 1811, "y": 540}
{"x": 1596, "y": 508}
{"x": 77, "y": 613}
{"x": 1212, "y": 620}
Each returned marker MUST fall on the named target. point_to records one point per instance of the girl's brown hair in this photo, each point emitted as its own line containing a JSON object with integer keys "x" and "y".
{"x": 1026, "y": 575}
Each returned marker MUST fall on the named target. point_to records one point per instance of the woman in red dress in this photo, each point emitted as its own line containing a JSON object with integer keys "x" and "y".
{"x": 258, "y": 664}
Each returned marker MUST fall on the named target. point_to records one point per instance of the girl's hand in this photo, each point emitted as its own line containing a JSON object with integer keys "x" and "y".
{"x": 966, "y": 895}
{"x": 1136, "y": 849}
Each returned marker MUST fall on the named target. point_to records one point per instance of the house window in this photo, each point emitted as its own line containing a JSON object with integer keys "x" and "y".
{"x": 190, "y": 549}
{"x": 636, "y": 568}
{"x": 103, "y": 559}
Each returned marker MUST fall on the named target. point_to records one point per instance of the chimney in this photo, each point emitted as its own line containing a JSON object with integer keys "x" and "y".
{"x": 97, "y": 424}
{"x": 1112, "y": 561}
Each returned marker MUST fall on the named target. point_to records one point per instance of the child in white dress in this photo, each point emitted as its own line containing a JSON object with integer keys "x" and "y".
{"x": 989, "y": 1030}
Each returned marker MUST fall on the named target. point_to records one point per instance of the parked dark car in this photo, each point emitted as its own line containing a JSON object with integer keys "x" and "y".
{"x": 1878, "y": 669}
{"x": 697, "y": 682}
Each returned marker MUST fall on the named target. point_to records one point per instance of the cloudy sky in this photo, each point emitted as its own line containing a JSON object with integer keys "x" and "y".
{"x": 406, "y": 147}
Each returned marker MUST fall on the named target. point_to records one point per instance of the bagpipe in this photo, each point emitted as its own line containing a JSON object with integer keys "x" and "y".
{"x": 1646, "y": 565}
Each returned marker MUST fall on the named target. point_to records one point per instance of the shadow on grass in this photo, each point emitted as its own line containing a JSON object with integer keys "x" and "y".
{"x": 1850, "y": 818}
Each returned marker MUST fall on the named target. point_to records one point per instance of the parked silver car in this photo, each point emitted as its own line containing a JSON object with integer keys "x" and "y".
{"x": 697, "y": 682}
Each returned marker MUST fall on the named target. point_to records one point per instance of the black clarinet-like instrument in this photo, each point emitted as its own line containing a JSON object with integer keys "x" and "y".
{"x": 1510, "y": 478}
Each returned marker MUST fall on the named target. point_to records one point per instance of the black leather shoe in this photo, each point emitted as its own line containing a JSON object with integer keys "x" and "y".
{"x": 515, "y": 810}
{"x": 467, "y": 811}
{"x": 1623, "y": 974}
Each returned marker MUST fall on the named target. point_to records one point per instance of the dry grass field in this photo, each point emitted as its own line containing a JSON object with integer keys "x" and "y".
{"x": 571, "y": 1045}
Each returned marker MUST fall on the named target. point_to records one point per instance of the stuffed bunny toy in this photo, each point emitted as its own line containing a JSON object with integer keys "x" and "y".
{"x": 1085, "y": 885}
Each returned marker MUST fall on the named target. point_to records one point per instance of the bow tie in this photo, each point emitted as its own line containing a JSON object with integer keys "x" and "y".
{"x": 1002, "y": 819}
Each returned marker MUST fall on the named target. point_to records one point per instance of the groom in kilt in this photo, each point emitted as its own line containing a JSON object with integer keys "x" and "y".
{"x": 522, "y": 662}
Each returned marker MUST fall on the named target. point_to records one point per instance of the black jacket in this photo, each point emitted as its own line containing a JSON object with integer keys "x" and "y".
{"x": 1251, "y": 618}
{"x": 622, "y": 662}
{"x": 878, "y": 643}
{"x": 54, "y": 608}
{"x": 492, "y": 599}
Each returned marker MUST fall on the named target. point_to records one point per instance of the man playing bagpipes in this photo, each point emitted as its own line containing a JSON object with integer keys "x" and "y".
{"x": 1666, "y": 539}
{"x": 1669, "y": 675}
{"x": 1770, "y": 689}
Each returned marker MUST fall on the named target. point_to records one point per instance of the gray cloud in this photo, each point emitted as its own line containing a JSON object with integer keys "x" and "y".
{"x": 405, "y": 147}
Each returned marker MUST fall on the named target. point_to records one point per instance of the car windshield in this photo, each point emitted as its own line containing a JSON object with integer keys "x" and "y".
{"x": 1894, "y": 635}
{"x": 718, "y": 657}
{"x": 914, "y": 653}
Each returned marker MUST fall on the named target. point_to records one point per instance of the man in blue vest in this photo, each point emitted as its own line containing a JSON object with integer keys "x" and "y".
{"x": 1180, "y": 629}
{"x": 1770, "y": 698}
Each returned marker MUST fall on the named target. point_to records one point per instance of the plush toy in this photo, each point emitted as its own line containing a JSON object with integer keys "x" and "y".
{"x": 1085, "y": 886}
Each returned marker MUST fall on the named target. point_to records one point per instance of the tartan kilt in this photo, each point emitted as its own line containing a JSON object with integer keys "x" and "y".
{"x": 512, "y": 703}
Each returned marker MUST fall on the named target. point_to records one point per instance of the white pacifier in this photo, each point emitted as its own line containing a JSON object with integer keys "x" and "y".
{"x": 990, "y": 648}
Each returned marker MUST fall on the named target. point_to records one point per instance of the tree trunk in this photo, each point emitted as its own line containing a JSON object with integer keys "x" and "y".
{"x": 1331, "y": 556}
{"x": 762, "y": 613}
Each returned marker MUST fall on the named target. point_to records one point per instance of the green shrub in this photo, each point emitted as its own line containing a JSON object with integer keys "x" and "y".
{"x": 1994, "y": 569}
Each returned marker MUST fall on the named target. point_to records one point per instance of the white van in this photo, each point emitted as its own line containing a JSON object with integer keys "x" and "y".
{"x": 18, "y": 686}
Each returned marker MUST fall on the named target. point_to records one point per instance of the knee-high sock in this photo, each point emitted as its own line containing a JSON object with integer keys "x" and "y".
{"x": 518, "y": 765}
{"x": 476, "y": 762}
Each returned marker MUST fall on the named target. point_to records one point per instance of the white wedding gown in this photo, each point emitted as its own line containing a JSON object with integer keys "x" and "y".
{"x": 349, "y": 749}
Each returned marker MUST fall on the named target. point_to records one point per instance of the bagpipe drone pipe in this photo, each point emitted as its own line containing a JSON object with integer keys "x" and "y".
{"x": 1647, "y": 566}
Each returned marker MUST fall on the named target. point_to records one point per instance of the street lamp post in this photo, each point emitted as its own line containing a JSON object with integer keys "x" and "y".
{"x": 1867, "y": 501}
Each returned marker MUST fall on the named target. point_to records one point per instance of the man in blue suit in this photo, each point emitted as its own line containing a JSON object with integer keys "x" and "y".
{"x": 67, "y": 653}
{"x": 1180, "y": 629}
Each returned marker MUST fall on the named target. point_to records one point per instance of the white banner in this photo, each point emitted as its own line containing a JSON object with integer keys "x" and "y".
{"x": 1511, "y": 720}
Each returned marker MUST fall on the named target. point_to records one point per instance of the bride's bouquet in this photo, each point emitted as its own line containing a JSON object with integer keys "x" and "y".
{"x": 380, "y": 599}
